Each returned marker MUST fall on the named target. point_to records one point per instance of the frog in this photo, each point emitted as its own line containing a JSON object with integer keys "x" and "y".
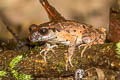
{"x": 67, "y": 32}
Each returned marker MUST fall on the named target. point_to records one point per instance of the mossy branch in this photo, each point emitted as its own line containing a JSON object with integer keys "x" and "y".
{"x": 32, "y": 63}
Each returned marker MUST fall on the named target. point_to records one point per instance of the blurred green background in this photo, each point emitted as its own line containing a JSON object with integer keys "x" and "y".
{"x": 22, "y": 13}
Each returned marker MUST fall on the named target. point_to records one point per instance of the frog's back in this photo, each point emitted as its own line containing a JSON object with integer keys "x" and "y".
{"x": 81, "y": 31}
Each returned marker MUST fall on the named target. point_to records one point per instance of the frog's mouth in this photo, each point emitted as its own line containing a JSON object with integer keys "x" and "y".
{"x": 37, "y": 37}
{"x": 34, "y": 36}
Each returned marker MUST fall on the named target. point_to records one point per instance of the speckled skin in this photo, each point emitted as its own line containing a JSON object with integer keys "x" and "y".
{"x": 67, "y": 32}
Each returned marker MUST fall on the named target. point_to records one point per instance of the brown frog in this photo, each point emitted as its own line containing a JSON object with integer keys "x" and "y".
{"x": 67, "y": 32}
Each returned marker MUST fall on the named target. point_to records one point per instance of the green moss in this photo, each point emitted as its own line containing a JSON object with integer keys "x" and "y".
{"x": 2, "y": 73}
{"x": 22, "y": 76}
{"x": 118, "y": 48}
{"x": 17, "y": 75}
{"x": 15, "y": 61}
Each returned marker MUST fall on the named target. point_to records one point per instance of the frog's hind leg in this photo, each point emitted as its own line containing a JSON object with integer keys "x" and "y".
{"x": 85, "y": 47}
{"x": 53, "y": 14}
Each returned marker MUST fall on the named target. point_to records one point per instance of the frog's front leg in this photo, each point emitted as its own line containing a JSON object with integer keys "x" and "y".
{"x": 47, "y": 49}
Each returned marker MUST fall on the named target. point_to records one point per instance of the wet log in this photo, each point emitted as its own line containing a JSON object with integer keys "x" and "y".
{"x": 97, "y": 58}
{"x": 114, "y": 29}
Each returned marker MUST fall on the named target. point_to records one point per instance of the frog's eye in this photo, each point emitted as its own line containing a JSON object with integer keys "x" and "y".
{"x": 43, "y": 31}
{"x": 33, "y": 27}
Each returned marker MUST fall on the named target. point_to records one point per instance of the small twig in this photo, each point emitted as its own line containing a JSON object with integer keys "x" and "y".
{"x": 7, "y": 23}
